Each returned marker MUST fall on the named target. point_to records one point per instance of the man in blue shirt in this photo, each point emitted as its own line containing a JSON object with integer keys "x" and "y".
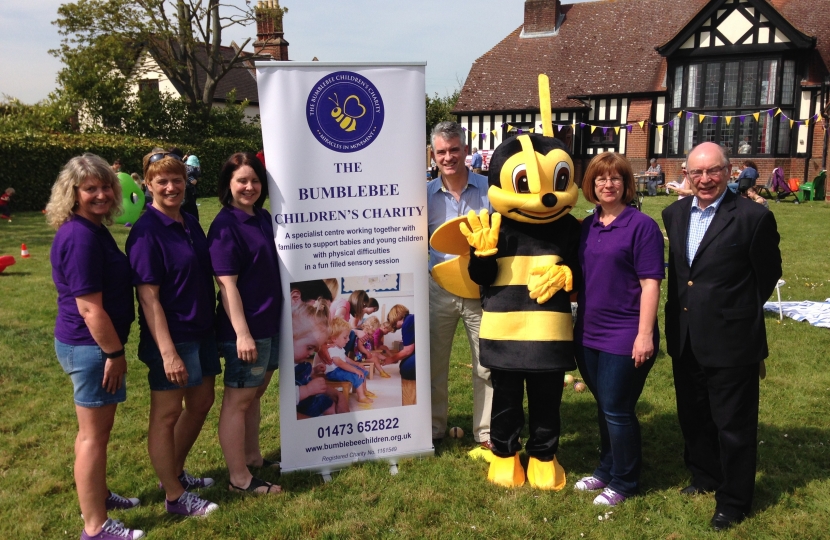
{"x": 455, "y": 192}
{"x": 477, "y": 161}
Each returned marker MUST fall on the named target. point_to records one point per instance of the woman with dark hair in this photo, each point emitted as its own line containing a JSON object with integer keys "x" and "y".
{"x": 95, "y": 311}
{"x": 169, "y": 257}
{"x": 748, "y": 176}
{"x": 616, "y": 334}
{"x": 244, "y": 256}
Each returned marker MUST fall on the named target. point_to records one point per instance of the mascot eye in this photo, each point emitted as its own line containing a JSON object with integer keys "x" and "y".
{"x": 561, "y": 176}
{"x": 520, "y": 184}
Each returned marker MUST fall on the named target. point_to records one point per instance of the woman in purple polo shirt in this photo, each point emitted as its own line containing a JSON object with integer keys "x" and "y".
{"x": 244, "y": 256}
{"x": 169, "y": 257}
{"x": 95, "y": 311}
{"x": 616, "y": 334}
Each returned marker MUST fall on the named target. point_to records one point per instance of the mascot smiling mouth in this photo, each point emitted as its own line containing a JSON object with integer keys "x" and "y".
{"x": 540, "y": 217}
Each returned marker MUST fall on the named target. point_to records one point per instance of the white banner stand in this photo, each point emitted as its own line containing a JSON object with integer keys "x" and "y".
{"x": 344, "y": 146}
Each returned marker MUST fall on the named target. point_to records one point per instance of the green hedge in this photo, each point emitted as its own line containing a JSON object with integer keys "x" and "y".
{"x": 30, "y": 163}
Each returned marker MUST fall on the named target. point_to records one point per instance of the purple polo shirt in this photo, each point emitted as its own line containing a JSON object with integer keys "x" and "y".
{"x": 613, "y": 260}
{"x": 85, "y": 259}
{"x": 242, "y": 245}
{"x": 175, "y": 257}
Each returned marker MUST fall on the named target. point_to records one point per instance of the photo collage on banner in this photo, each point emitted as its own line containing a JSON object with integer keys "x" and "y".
{"x": 344, "y": 150}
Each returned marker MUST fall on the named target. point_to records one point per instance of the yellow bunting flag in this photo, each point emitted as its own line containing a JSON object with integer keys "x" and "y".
{"x": 659, "y": 128}
{"x": 791, "y": 123}
{"x": 728, "y": 119}
{"x": 531, "y": 130}
{"x": 679, "y": 114}
{"x": 617, "y": 130}
{"x": 807, "y": 122}
{"x": 593, "y": 128}
{"x": 510, "y": 128}
{"x": 641, "y": 122}
{"x": 777, "y": 112}
{"x": 700, "y": 118}
{"x": 756, "y": 115}
{"x": 474, "y": 134}
{"x": 494, "y": 132}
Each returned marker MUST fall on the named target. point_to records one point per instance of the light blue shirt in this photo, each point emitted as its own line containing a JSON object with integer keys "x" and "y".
{"x": 442, "y": 206}
{"x": 699, "y": 221}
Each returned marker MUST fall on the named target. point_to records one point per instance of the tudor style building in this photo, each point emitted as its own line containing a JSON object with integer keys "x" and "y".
{"x": 652, "y": 78}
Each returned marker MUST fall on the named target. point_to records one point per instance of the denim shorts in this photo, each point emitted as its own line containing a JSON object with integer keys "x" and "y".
{"x": 85, "y": 366}
{"x": 239, "y": 374}
{"x": 201, "y": 359}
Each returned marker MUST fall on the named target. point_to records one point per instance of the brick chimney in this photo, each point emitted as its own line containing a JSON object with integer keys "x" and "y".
{"x": 542, "y": 17}
{"x": 269, "y": 40}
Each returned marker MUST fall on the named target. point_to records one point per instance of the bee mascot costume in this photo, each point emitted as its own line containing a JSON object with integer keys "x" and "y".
{"x": 524, "y": 258}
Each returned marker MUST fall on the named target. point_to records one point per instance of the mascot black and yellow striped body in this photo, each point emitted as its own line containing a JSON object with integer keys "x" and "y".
{"x": 517, "y": 333}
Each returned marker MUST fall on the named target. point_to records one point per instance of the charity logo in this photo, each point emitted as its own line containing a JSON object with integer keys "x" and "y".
{"x": 345, "y": 111}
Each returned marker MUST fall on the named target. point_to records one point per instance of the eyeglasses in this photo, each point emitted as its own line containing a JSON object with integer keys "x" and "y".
{"x": 162, "y": 155}
{"x": 697, "y": 174}
{"x": 615, "y": 180}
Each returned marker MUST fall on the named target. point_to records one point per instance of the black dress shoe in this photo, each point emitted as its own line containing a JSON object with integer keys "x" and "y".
{"x": 692, "y": 490}
{"x": 721, "y": 522}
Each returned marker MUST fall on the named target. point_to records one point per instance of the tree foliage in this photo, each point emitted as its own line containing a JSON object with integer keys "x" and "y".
{"x": 440, "y": 109}
{"x": 103, "y": 40}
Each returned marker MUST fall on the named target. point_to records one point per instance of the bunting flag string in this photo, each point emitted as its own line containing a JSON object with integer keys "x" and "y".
{"x": 772, "y": 112}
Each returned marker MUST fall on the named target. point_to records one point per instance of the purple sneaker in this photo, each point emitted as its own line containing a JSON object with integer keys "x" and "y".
{"x": 190, "y": 483}
{"x": 117, "y": 502}
{"x": 189, "y": 504}
{"x": 589, "y": 483}
{"x": 114, "y": 530}
{"x": 609, "y": 497}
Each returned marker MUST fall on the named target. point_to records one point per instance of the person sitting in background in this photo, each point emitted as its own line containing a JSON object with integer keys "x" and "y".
{"x": 656, "y": 174}
{"x": 752, "y": 194}
{"x": 95, "y": 311}
{"x": 748, "y": 176}
{"x": 681, "y": 187}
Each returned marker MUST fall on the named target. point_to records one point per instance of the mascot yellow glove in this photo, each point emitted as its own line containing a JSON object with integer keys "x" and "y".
{"x": 545, "y": 281}
{"x": 483, "y": 232}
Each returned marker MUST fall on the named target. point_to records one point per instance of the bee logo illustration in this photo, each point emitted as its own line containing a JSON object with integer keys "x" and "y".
{"x": 348, "y": 122}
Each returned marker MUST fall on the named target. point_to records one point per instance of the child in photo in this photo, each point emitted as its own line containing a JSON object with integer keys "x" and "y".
{"x": 342, "y": 368}
{"x": 310, "y": 330}
{"x": 377, "y": 337}
{"x": 365, "y": 346}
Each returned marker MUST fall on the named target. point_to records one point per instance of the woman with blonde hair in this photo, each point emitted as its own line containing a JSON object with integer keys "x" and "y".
{"x": 400, "y": 318}
{"x": 95, "y": 311}
{"x": 171, "y": 269}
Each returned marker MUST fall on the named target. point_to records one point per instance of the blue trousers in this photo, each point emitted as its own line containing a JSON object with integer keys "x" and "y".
{"x": 616, "y": 385}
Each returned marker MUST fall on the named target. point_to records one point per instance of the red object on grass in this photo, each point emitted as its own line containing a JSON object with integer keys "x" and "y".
{"x": 6, "y": 261}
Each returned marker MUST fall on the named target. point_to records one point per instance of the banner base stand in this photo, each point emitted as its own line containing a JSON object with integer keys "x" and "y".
{"x": 329, "y": 468}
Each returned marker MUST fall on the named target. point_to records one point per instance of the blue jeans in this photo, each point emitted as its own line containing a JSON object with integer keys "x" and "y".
{"x": 85, "y": 366}
{"x": 239, "y": 374}
{"x": 616, "y": 385}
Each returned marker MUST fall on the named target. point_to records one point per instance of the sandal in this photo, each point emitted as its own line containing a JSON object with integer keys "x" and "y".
{"x": 255, "y": 484}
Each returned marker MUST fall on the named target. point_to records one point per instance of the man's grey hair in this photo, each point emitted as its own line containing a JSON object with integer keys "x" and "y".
{"x": 448, "y": 130}
{"x": 653, "y": 160}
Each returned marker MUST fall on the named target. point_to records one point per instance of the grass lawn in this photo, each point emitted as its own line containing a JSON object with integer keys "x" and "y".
{"x": 440, "y": 497}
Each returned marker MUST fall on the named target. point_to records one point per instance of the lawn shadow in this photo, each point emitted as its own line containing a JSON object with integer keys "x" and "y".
{"x": 4, "y": 274}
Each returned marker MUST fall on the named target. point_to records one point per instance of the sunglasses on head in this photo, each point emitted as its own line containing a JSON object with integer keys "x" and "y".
{"x": 162, "y": 155}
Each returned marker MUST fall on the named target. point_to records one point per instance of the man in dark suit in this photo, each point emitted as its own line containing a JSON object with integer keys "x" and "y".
{"x": 724, "y": 263}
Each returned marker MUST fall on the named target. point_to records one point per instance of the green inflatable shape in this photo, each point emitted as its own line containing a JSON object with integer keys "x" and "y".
{"x": 132, "y": 199}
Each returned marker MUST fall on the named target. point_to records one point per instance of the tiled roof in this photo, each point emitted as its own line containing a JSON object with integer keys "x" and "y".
{"x": 239, "y": 78}
{"x": 604, "y": 47}
{"x": 812, "y": 18}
